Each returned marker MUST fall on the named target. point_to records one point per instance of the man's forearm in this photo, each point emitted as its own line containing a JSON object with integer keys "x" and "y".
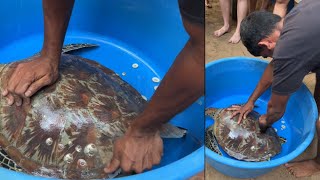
{"x": 273, "y": 114}
{"x": 264, "y": 83}
{"x": 182, "y": 85}
{"x": 56, "y": 18}
{"x": 276, "y": 108}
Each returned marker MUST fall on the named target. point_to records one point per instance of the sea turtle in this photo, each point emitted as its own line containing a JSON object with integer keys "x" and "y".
{"x": 68, "y": 129}
{"x": 242, "y": 141}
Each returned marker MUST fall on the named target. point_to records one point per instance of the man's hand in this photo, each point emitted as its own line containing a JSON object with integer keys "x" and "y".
{"x": 136, "y": 151}
{"x": 242, "y": 110}
{"x": 263, "y": 123}
{"x": 28, "y": 77}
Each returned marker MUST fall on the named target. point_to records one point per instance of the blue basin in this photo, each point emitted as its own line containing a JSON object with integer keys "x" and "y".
{"x": 231, "y": 81}
{"x": 127, "y": 32}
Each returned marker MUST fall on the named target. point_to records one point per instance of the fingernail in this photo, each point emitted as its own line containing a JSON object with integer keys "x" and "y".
{"x": 106, "y": 170}
{"x": 27, "y": 101}
{"x": 28, "y": 93}
{"x": 10, "y": 102}
{"x": 4, "y": 93}
{"x": 18, "y": 103}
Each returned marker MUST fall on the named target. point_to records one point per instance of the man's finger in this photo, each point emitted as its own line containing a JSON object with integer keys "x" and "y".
{"x": 113, "y": 166}
{"x": 10, "y": 99}
{"x": 147, "y": 161}
{"x": 12, "y": 83}
{"x": 240, "y": 118}
{"x": 18, "y": 100}
{"x": 245, "y": 114}
{"x": 138, "y": 166}
{"x": 161, "y": 147}
{"x": 126, "y": 164}
{"x": 5, "y": 92}
{"x": 22, "y": 87}
{"x": 26, "y": 101}
{"x": 235, "y": 113}
{"x": 35, "y": 86}
{"x": 233, "y": 108}
{"x": 156, "y": 158}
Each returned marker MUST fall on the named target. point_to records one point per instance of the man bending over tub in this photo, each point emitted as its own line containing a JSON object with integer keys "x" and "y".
{"x": 294, "y": 47}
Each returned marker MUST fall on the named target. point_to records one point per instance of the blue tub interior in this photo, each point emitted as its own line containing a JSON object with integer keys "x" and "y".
{"x": 240, "y": 77}
{"x": 127, "y": 32}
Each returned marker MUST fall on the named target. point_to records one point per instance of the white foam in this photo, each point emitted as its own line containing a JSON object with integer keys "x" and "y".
{"x": 236, "y": 131}
{"x": 155, "y": 79}
{"x": 51, "y": 119}
{"x": 239, "y": 132}
{"x": 135, "y": 65}
{"x": 144, "y": 97}
{"x": 57, "y": 119}
{"x": 45, "y": 172}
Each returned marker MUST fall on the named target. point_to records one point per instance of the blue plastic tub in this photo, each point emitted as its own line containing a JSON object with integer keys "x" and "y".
{"x": 231, "y": 81}
{"x": 149, "y": 33}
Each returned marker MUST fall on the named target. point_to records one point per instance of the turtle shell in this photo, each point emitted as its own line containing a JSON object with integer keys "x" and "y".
{"x": 68, "y": 129}
{"x": 243, "y": 141}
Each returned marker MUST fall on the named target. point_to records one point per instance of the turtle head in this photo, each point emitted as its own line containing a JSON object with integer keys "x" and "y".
{"x": 211, "y": 112}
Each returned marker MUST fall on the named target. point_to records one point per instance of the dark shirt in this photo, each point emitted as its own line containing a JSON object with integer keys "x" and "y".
{"x": 297, "y": 51}
{"x": 192, "y": 10}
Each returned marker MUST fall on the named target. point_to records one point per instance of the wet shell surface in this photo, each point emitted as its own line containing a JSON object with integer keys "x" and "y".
{"x": 242, "y": 141}
{"x": 68, "y": 129}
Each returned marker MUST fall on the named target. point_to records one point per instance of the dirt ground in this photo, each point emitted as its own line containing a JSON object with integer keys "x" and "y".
{"x": 217, "y": 48}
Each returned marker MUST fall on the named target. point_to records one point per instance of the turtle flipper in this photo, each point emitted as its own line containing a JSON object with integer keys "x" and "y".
{"x": 73, "y": 47}
{"x": 242, "y": 104}
{"x": 211, "y": 142}
{"x": 170, "y": 131}
{"x": 282, "y": 140}
{"x": 114, "y": 174}
{"x": 211, "y": 112}
{"x": 7, "y": 162}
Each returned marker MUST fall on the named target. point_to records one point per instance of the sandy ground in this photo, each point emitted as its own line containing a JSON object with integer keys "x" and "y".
{"x": 217, "y": 48}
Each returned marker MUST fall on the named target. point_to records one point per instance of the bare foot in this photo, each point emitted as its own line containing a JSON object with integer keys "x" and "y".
{"x": 235, "y": 38}
{"x": 303, "y": 168}
{"x": 221, "y": 31}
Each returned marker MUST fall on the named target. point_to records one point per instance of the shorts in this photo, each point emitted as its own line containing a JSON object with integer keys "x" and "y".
{"x": 192, "y": 10}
